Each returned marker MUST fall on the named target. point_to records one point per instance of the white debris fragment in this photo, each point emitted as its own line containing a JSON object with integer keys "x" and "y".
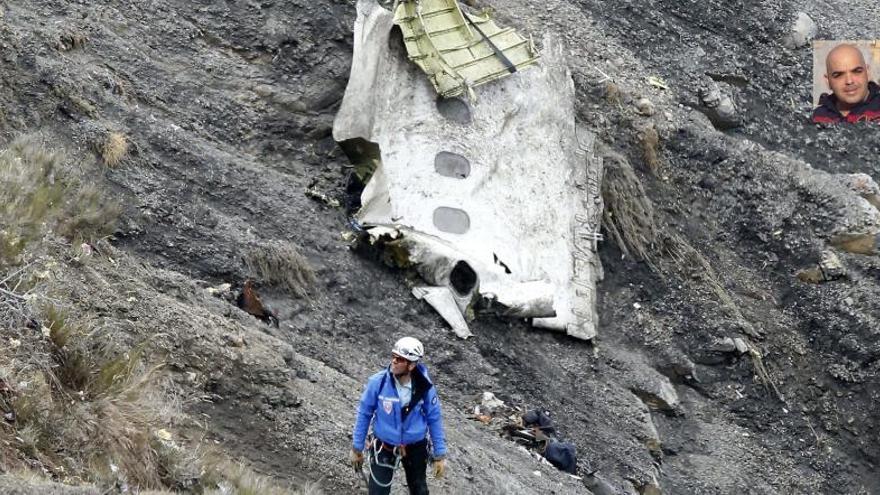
{"x": 491, "y": 402}
{"x": 443, "y": 301}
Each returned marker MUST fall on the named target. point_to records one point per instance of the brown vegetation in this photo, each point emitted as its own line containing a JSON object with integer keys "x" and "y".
{"x": 628, "y": 216}
{"x": 81, "y": 413}
{"x": 649, "y": 142}
{"x": 71, "y": 40}
{"x": 281, "y": 263}
{"x": 39, "y": 196}
{"x": 114, "y": 149}
{"x": 612, "y": 93}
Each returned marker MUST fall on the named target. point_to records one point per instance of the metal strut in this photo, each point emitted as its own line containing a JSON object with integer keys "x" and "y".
{"x": 498, "y": 53}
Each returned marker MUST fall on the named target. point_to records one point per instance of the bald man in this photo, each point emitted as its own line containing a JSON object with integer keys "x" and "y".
{"x": 853, "y": 98}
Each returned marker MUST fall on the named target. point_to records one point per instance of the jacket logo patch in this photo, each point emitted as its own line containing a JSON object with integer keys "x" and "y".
{"x": 434, "y": 400}
{"x": 388, "y": 406}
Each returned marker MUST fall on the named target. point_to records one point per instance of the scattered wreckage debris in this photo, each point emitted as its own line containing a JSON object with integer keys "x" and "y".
{"x": 459, "y": 51}
{"x": 247, "y": 300}
{"x": 829, "y": 268}
{"x": 454, "y": 191}
{"x": 317, "y": 195}
{"x": 533, "y": 430}
{"x": 250, "y": 302}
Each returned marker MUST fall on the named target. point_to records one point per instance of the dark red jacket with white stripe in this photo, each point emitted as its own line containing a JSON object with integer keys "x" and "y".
{"x": 869, "y": 110}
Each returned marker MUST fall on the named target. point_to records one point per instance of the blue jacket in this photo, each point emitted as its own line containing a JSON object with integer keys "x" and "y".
{"x": 395, "y": 425}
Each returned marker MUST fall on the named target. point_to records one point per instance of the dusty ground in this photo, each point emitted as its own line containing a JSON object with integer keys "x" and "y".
{"x": 228, "y": 107}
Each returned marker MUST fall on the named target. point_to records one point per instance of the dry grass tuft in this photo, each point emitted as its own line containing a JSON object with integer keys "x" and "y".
{"x": 612, "y": 93}
{"x": 71, "y": 40}
{"x": 81, "y": 409}
{"x": 689, "y": 262}
{"x": 39, "y": 196}
{"x": 281, "y": 263}
{"x": 239, "y": 479}
{"x": 114, "y": 149}
{"x": 628, "y": 215}
{"x": 649, "y": 142}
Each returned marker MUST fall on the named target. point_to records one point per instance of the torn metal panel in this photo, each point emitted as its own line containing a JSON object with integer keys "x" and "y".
{"x": 485, "y": 198}
{"x": 521, "y": 300}
{"x": 459, "y": 51}
{"x": 443, "y": 301}
{"x": 435, "y": 260}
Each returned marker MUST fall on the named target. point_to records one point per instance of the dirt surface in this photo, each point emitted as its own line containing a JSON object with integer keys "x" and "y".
{"x": 228, "y": 109}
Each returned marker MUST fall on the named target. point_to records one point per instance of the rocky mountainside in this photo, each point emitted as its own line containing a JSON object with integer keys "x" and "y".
{"x": 727, "y": 361}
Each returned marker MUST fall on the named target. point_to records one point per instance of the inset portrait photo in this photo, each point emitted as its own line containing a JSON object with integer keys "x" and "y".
{"x": 845, "y": 81}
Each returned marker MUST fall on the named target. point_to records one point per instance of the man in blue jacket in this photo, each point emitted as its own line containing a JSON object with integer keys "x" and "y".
{"x": 402, "y": 405}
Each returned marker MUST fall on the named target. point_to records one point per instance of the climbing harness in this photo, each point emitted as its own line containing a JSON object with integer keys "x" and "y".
{"x": 399, "y": 452}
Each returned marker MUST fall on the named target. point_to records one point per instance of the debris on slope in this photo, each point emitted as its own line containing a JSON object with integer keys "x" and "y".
{"x": 479, "y": 209}
{"x": 460, "y": 51}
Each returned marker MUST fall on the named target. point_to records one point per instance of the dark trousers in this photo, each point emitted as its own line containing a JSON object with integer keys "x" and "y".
{"x": 415, "y": 463}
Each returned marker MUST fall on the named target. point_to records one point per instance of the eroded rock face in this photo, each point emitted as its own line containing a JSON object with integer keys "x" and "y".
{"x": 503, "y": 183}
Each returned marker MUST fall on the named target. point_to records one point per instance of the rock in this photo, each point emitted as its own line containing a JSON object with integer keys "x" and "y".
{"x": 861, "y": 184}
{"x": 726, "y": 345}
{"x": 718, "y": 106}
{"x": 741, "y": 346}
{"x": 858, "y": 243}
{"x": 658, "y": 395}
{"x": 810, "y": 275}
{"x": 803, "y": 30}
{"x": 223, "y": 291}
{"x": 678, "y": 368}
{"x": 598, "y": 485}
{"x": 287, "y": 353}
{"x": 645, "y": 107}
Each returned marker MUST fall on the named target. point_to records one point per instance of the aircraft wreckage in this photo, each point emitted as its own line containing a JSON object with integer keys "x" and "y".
{"x": 493, "y": 199}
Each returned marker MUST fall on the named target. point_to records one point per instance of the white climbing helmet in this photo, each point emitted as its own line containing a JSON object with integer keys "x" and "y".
{"x": 409, "y": 348}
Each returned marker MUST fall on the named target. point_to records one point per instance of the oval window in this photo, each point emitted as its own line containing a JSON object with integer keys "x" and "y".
{"x": 451, "y": 220}
{"x": 453, "y": 165}
{"x": 454, "y": 109}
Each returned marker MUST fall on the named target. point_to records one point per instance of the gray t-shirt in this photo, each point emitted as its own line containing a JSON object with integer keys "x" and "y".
{"x": 404, "y": 392}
